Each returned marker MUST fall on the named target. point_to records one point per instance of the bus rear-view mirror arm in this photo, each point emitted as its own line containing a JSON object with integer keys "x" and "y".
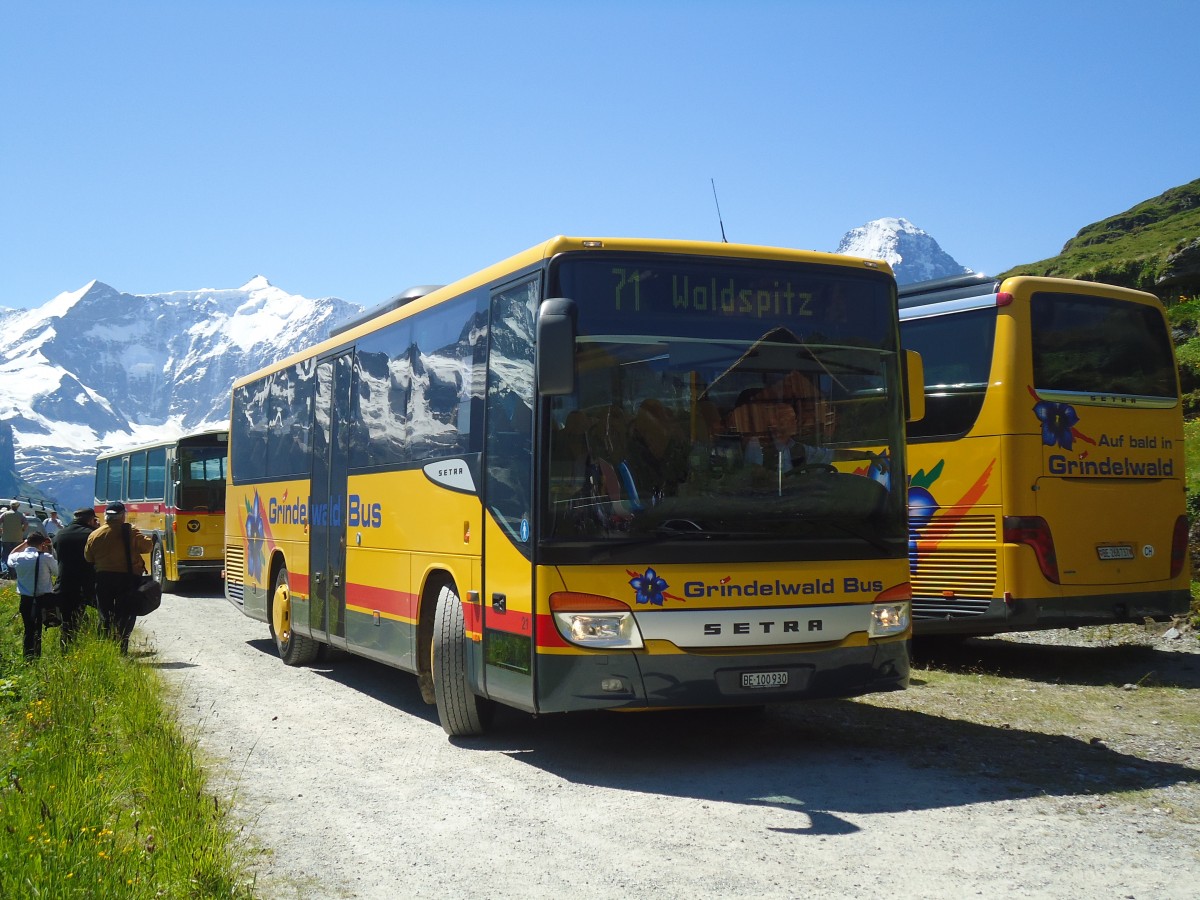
{"x": 556, "y": 346}
{"x": 914, "y": 393}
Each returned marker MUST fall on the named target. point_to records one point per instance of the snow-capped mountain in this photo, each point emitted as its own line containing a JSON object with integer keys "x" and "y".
{"x": 97, "y": 369}
{"x": 913, "y": 254}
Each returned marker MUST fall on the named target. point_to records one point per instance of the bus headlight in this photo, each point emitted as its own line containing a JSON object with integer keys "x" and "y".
{"x": 588, "y": 620}
{"x": 889, "y": 618}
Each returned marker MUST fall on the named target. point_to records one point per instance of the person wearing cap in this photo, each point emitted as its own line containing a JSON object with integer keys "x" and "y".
{"x": 12, "y": 532}
{"x": 35, "y": 569}
{"x": 76, "y": 576}
{"x": 118, "y": 570}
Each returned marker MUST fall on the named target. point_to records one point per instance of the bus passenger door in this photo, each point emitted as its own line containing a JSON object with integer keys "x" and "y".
{"x": 507, "y": 597}
{"x": 327, "y": 525}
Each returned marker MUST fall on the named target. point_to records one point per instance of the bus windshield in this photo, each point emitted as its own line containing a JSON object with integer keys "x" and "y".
{"x": 721, "y": 399}
{"x": 202, "y": 477}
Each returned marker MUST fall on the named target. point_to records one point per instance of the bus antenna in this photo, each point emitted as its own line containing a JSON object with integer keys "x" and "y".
{"x": 718, "y": 202}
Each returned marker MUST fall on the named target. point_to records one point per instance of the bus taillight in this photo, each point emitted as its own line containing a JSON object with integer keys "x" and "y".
{"x": 1179, "y": 546}
{"x": 1033, "y": 531}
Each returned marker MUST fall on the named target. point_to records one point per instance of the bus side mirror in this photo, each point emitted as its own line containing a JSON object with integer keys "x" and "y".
{"x": 914, "y": 393}
{"x": 556, "y": 346}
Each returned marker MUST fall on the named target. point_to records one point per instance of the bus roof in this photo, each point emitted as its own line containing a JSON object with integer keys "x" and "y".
{"x": 961, "y": 292}
{"x": 219, "y": 435}
{"x": 390, "y": 310}
{"x": 939, "y": 290}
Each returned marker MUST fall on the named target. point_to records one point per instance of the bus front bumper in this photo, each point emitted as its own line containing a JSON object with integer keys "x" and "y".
{"x": 648, "y": 681}
{"x": 1052, "y": 612}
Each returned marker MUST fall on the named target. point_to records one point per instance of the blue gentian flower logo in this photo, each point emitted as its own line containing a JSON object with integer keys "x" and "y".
{"x": 255, "y": 532}
{"x": 1058, "y": 423}
{"x": 648, "y": 587}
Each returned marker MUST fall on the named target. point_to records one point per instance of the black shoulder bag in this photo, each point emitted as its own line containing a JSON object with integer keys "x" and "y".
{"x": 45, "y": 606}
{"x": 145, "y": 594}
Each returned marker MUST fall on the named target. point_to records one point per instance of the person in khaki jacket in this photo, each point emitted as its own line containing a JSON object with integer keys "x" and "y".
{"x": 12, "y": 532}
{"x": 118, "y": 570}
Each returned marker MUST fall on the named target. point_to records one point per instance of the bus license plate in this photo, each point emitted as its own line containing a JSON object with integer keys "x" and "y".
{"x": 764, "y": 679}
{"x": 1124, "y": 551}
{"x": 195, "y": 551}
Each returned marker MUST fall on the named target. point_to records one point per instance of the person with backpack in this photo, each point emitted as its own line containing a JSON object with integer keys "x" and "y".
{"x": 115, "y": 550}
{"x": 76, "y": 576}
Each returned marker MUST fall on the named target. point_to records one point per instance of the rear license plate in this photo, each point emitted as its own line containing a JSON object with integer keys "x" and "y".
{"x": 1123, "y": 551}
{"x": 195, "y": 551}
{"x": 764, "y": 679}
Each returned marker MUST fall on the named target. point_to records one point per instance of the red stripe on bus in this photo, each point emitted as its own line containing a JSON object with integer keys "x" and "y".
{"x": 510, "y": 622}
{"x": 395, "y": 603}
{"x": 473, "y": 619}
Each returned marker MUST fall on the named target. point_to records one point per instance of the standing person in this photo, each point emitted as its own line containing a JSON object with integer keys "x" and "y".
{"x": 35, "y": 571}
{"x": 117, "y": 570}
{"x": 12, "y": 532}
{"x": 52, "y": 525}
{"x": 76, "y": 576}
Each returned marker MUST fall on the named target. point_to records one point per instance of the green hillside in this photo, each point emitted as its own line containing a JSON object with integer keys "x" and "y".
{"x": 1155, "y": 246}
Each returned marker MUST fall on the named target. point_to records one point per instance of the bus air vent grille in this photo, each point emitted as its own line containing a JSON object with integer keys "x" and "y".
{"x": 235, "y": 571}
{"x": 964, "y": 573}
{"x": 963, "y": 528}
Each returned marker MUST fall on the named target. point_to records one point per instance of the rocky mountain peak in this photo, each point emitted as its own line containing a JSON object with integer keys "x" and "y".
{"x": 912, "y": 253}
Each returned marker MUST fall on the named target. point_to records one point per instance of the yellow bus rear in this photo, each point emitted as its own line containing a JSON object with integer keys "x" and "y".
{"x": 1047, "y": 480}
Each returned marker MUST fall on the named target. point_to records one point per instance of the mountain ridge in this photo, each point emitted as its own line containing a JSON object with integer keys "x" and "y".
{"x": 1152, "y": 246}
{"x": 96, "y": 369}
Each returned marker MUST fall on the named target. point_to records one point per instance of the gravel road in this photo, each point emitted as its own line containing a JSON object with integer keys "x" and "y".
{"x": 348, "y": 788}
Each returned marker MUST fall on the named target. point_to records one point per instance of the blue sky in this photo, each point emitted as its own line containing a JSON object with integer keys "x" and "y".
{"x": 354, "y": 148}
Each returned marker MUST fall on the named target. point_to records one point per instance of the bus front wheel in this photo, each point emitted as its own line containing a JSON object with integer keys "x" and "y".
{"x": 158, "y": 568}
{"x": 461, "y": 712}
{"x": 294, "y": 649}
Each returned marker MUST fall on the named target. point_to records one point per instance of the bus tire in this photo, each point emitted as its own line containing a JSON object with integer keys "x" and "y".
{"x": 294, "y": 649}
{"x": 158, "y": 568}
{"x": 461, "y": 712}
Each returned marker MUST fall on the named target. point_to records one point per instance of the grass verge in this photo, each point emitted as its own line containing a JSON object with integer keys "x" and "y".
{"x": 102, "y": 795}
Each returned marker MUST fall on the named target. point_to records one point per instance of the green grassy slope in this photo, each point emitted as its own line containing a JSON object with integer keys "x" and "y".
{"x": 1131, "y": 248}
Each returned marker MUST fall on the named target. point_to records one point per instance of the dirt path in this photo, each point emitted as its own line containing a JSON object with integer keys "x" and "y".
{"x": 351, "y": 789}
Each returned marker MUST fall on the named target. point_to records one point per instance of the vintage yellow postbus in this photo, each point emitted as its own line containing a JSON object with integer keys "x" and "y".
{"x": 602, "y": 474}
{"x": 1047, "y": 477}
{"x": 174, "y": 492}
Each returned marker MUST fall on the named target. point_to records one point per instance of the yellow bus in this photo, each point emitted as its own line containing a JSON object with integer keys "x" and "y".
{"x": 533, "y": 487}
{"x": 1047, "y": 480}
{"x": 174, "y": 492}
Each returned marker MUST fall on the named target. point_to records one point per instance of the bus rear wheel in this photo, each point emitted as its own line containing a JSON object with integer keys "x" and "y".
{"x": 461, "y": 712}
{"x": 294, "y": 649}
